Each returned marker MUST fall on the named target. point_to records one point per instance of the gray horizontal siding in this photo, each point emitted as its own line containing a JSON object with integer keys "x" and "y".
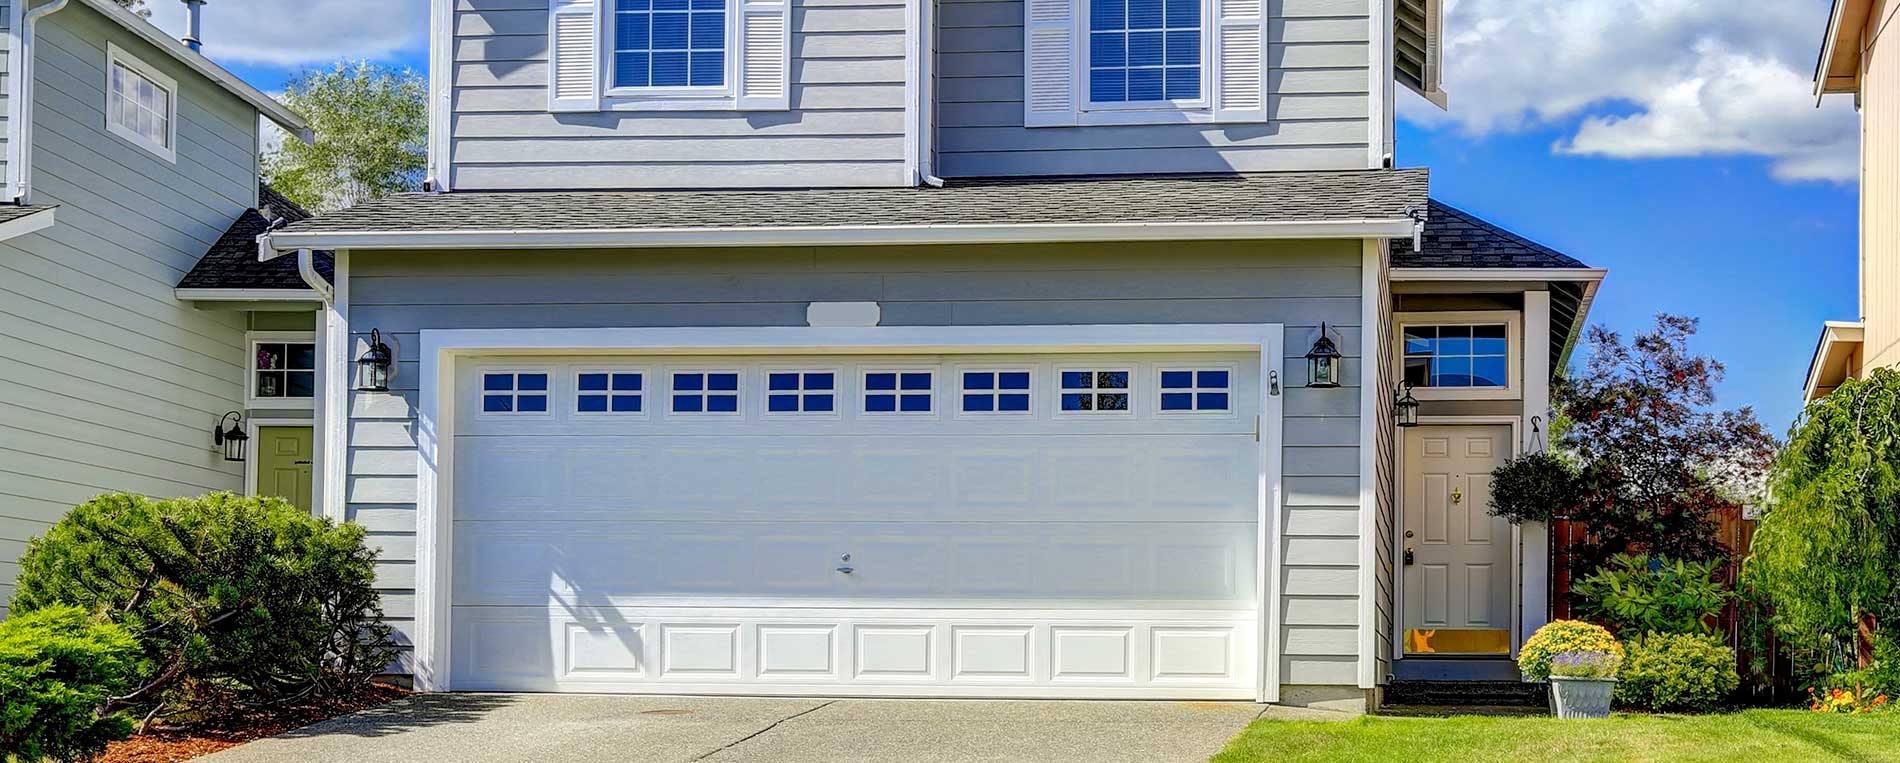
{"x": 845, "y": 126}
{"x": 1318, "y": 101}
{"x": 1296, "y": 283}
{"x": 111, "y": 383}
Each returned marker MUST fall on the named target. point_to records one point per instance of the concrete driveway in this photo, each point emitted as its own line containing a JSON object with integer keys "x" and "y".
{"x": 541, "y": 728}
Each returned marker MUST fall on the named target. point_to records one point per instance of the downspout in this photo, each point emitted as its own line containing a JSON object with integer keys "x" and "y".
{"x": 306, "y": 267}
{"x": 24, "y": 134}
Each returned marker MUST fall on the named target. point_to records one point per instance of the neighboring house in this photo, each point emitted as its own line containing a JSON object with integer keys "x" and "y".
{"x": 887, "y": 348}
{"x": 1859, "y": 55}
{"x": 127, "y": 155}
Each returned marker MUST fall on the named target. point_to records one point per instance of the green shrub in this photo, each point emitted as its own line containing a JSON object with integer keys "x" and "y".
{"x": 1636, "y": 594}
{"x": 1676, "y": 671}
{"x": 236, "y": 600}
{"x": 1534, "y": 487}
{"x": 1563, "y": 637}
{"x": 57, "y": 669}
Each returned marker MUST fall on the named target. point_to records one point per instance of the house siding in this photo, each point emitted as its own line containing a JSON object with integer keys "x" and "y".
{"x": 1880, "y": 188}
{"x": 113, "y": 385}
{"x": 1319, "y": 96}
{"x": 846, "y": 125}
{"x": 1295, "y": 283}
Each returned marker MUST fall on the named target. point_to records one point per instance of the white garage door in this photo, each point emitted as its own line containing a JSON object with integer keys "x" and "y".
{"x": 1020, "y": 525}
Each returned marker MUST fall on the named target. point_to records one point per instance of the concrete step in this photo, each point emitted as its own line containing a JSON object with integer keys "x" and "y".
{"x": 1466, "y": 694}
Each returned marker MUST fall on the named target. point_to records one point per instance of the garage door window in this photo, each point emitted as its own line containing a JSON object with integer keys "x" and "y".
{"x": 995, "y": 391}
{"x": 1095, "y": 390}
{"x": 801, "y": 392}
{"x": 515, "y": 392}
{"x": 609, "y": 392}
{"x": 899, "y": 392}
{"x": 706, "y": 392}
{"x": 1195, "y": 390}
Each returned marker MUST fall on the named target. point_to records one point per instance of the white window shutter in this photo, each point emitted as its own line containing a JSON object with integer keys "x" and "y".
{"x": 765, "y": 55}
{"x": 1050, "y": 80}
{"x": 1240, "y": 60}
{"x": 574, "y": 57}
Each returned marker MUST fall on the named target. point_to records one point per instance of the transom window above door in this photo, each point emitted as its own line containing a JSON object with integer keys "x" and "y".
{"x": 283, "y": 370}
{"x": 1095, "y": 390}
{"x": 1458, "y": 356}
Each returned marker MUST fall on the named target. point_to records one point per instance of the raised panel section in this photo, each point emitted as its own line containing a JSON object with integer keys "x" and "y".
{"x": 1437, "y": 594}
{"x": 1194, "y": 654}
{"x": 610, "y": 650}
{"x": 894, "y": 652}
{"x": 991, "y": 653}
{"x": 797, "y": 651}
{"x": 699, "y": 650}
{"x": 1092, "y": 654}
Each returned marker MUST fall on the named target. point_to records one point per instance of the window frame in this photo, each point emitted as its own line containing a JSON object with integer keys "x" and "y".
{"x": 1233, "y": 379}
{"x": 1513, "y": 322}
{"x": 864, "y": 391}
{"x": 837, "y": 392}
{"x": 482, "y": 392}
{"x": 1139, "y": 110}
{"x": 251, "y": 341}
{"x": 995, "y": 394}
{"x": 1134, "y": 383}
{"x": 116, "y": 57}
{"x": 738, "y": 392}
{"x": 645, "y": 393}
{"x": 650, "y": 98}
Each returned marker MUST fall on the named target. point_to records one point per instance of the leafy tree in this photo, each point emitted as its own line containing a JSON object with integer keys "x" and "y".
{"x": 1654, "y": 458}
{"x": 371, "y": 125}
{"x": 1827, "y": 551}
{"x": 136, "y": 6}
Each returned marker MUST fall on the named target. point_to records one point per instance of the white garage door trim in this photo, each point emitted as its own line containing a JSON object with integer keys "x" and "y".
{"x": 442, "y": 349}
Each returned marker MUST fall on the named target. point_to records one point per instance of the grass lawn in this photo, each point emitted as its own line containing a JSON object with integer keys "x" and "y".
{"x": 1753, "y": 736}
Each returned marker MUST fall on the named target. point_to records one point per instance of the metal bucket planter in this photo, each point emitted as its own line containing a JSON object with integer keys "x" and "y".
{"x": 1581, "y": 697}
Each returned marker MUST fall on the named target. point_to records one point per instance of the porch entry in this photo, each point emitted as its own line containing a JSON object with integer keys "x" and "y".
{"x": 1458, "y": 561}
{"x": 283, "y": 463}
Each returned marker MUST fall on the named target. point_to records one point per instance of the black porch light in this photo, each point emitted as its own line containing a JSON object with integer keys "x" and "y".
{"x": 372, "y": 370}
{"x": 1404, "y": 406}
{"x": 231, "y": 439}
{"x": 1322, "y": 362}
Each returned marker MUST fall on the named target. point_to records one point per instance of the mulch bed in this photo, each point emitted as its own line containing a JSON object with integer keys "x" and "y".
{"x": 165, "y": 744}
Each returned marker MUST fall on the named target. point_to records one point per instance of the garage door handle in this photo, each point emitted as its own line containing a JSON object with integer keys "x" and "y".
{"x": 845, "y": 567}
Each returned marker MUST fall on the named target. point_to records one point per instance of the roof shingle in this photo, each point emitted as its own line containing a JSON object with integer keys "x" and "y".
{"x": 232, "y": 262}
{"x": 1455, "y": 238}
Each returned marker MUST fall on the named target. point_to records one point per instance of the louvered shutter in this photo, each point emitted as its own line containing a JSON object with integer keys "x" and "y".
{"x": 1049, "y": 59}
{"x": 574, "y": 60}
{"x": 1240, "y": 60}
{"x": 765, "y": 55}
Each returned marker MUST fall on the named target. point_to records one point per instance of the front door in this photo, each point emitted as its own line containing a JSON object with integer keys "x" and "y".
{"x": 1457, "y": 556}
{"x": 283, "y": 464}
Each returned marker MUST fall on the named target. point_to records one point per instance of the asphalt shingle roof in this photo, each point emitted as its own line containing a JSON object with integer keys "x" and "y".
{"x": 1455, "y": 238}
{"x": 11, "y": 212}
{"x": 1270, "y": 197}
{"x": 232, "y": 262}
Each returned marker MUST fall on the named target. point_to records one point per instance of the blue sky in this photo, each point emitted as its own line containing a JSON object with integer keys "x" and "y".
{"x": 1672, "y": 141}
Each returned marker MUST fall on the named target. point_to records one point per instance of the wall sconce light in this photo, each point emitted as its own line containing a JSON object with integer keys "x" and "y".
{"x": 372, "y": 370}
{"x": 1404, "y": 406}
{"x": 1322, "y": 362}
{"x": 231, "y": 440}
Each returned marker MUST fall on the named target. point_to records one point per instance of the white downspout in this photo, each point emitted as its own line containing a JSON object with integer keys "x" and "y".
{"x": 307, "y": 267}
{"x": 24, "y": 111}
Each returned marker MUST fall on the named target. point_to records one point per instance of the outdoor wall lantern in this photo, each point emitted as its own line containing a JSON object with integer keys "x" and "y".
{"x": 1404, "y": 406}
{"x": 230, "y": 440}
{"x": 1322, "y": 362}
{"x": 372, "y": 370}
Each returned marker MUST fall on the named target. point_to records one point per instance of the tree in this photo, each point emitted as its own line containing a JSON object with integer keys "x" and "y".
{"x": 136, "y": 6}
{"x": 1652, "y": 455}
{"x": 371, "y": 127}
{"x": 1827, "y": 551}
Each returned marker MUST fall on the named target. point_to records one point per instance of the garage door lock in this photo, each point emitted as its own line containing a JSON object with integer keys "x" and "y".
{"x": 844, "y": 565}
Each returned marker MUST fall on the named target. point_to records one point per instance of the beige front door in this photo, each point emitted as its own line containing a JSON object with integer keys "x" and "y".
{"x": 283, "y": 464}
{"x": 1457, "y": 557}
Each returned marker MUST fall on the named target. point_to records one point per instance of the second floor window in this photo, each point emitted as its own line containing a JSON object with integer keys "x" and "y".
{"x": 1144, "y": 51}
{"x": 141, "y": 104}
{"x": 669, "y": 43}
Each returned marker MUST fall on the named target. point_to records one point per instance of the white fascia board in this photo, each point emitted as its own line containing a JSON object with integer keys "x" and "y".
{"x": 1499, "y": 274}
{"x": 245, "y": 295}
{"x": 21, "y": 226}
{"x": 841, "y": 236}
{"x": 1833, "y": 334}
{"x": 291, "y": 121}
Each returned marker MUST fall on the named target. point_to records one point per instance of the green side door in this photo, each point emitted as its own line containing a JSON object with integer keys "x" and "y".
{"x": 283, "y": 464}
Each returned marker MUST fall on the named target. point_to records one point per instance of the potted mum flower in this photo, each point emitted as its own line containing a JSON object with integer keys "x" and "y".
{"x": 1581, "y": 684}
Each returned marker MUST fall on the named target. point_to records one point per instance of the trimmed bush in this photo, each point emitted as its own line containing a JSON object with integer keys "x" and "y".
{"x": 1676, "y": 671}
{"x": 1563, "y": 637}
{"x": 57, "y": 669}
{"x": 237, "y": 600}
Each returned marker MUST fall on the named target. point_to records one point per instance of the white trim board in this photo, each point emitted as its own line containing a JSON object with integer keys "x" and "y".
{"x": 435, "y": 435}
{"x": 245, "y": 295}
{"x": 20, "y": 226}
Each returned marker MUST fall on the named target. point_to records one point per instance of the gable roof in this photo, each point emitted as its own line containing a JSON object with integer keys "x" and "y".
{"x": 1838, "y": 70}
{"x": 290, "y": 120}
{"x": 232, "y": 262}
{"x": 1455, "y": 238}
{"x": 1282, "y": 204}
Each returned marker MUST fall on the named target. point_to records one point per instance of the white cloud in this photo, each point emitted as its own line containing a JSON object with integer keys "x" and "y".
{"x": 1636, "y": 79}
{"x": 295, "y": 33}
